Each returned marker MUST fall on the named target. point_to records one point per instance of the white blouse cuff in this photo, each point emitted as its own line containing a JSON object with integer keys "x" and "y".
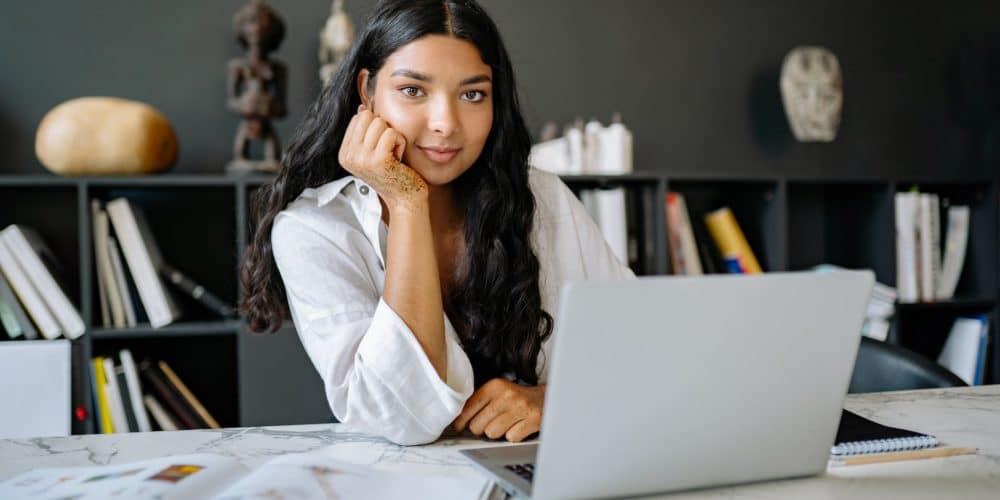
{"x": 391, "y": 350}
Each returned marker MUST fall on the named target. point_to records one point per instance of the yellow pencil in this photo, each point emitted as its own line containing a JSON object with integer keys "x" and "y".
{"x": 905, "y": 455}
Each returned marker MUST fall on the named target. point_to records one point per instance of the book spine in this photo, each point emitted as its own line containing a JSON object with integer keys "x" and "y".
{"x": 188, "y": 395}
{"x": 906, "y": 247}
{"x": 102, "y": 286}
{"x": 130, "y": 418}
{"x": 140, "y": 262}
{"x": 731, "y": 241}
{"x": 160, "y": 415}
{"x": 104, "y": 409}
{"x": 692, "y": 264}
{"x": 26, "y": 292}
{"x": 134, "y": 389}
{"x": 95, "y": 389}
{"x": 128, "y": 304}
{"x": 24, "y": 325}
{"x": 956, "y": 241}
{"x": 925, "y": 238}
{"x": 114, "y": 397}
{"x": 162, "y": 389}
{"x": 27, "y": 248}
{"x": 673, "y": 235}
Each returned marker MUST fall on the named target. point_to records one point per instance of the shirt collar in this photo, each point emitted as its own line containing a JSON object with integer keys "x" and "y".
{"x": 327, "y": 192}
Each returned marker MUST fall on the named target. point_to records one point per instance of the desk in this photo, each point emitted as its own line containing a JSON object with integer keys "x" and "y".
{"x": 963, "y": 417}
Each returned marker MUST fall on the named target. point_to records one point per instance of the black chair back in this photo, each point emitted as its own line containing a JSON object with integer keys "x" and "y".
{"x": 886, "y": 367}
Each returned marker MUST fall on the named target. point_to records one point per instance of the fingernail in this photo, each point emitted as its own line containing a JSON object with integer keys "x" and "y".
{"x": 360, "y": 107}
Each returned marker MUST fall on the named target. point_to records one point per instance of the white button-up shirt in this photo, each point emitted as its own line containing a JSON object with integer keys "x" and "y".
{"x": 330, "y": 247}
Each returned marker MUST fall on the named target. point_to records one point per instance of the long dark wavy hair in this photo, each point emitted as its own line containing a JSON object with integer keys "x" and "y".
{"x": 496, "y": 298}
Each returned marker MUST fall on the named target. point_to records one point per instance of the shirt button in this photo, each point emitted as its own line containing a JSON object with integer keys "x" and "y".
{"x": 364, "y": 190}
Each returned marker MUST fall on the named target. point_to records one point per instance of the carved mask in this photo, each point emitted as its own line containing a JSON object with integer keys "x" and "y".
{"x": 812, "y": 92}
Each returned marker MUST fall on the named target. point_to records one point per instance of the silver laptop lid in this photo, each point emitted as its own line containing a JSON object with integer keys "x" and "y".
{"x": 673, "y": 383}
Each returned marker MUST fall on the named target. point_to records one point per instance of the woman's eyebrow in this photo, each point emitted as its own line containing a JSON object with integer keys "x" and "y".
{"x": 426, "y": 78}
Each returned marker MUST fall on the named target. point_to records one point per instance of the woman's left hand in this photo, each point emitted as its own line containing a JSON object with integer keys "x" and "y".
{"x": 501, "y": 408}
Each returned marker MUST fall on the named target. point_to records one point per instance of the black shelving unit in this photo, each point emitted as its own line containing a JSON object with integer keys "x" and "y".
{"x": 202, "y": 225}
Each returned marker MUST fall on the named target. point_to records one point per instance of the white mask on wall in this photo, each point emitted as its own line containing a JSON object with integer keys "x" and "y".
{"x": 812, "y": 90}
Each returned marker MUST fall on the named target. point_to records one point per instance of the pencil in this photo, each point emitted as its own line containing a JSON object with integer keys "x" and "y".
{"x": 905, "y": 455}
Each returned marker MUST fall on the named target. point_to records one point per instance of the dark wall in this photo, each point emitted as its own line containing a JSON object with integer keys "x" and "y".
{"x": 696, "y": 80}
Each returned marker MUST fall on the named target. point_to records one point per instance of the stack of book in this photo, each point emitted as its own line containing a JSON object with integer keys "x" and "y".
{"x": 123, "y": 405}
{"x": 133, "y": 290}
{"x": 921, "y": 273}
{"x": 32, "y": 299}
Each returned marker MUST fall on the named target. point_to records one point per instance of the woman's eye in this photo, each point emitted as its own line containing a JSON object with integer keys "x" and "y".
{"x": 410, "y": 91}
{"x": 474, "y": 95}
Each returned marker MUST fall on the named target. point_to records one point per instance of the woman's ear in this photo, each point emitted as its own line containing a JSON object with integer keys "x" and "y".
{"x": 363, "y": 76}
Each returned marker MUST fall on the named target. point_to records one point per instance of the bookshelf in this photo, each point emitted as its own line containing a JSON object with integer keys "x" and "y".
{"x": 202, "y": 225}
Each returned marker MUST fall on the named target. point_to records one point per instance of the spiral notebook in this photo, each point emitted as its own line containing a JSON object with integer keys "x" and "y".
{"x": 859, "y": 436}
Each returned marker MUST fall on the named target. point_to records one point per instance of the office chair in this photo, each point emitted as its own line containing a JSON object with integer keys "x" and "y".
{"x": 885, "y": 367}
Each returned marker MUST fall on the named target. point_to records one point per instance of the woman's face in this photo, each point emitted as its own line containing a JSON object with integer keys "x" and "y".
{"x": 438, "y": 93}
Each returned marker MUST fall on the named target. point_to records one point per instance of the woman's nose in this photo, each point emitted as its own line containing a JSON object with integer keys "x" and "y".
{"x": 443, "y": 117}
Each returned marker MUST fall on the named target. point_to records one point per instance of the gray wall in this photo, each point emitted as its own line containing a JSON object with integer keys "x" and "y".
{"x": 695, "y": 79}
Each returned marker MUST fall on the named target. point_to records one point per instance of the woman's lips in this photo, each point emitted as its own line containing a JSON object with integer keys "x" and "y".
{"x": 439, "y": 155}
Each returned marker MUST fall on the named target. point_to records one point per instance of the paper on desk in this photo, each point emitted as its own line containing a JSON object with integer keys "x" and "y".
{"x": 302, "y": 476}
{"x": 179, "y": 476}
{"x": 221, "y": 477}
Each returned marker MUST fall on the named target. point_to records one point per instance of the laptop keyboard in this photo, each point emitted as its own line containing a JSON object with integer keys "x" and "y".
{"x": 526, "y": 471}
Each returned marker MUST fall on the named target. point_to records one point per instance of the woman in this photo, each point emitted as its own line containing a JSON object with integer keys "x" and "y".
{"x": 405, "y": 236}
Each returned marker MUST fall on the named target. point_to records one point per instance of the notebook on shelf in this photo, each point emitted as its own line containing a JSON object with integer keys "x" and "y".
{"x": 858, "y": 435}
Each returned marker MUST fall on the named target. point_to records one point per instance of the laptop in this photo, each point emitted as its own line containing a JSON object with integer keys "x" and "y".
{"x": 676, "y": 383}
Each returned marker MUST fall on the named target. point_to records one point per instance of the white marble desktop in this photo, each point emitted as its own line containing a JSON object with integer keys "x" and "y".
{"x": 959, "y": 417}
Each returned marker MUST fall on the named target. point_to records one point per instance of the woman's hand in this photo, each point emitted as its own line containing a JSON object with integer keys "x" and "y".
{"x": 503, "y": 409}
{"x": 372, "y": 151}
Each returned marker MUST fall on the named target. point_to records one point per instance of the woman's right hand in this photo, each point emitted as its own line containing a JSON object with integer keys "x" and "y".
{"x": 372, "y": 151}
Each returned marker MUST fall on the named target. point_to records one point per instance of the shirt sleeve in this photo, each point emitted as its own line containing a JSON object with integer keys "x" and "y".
{"x": 375, "y": 374}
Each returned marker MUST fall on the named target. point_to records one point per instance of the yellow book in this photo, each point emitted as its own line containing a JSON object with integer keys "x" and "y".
{"x": 730, "y": 240}
{"x": 103, "y": 410}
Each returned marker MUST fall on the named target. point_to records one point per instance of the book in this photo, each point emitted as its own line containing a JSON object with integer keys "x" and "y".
{"x": 956, "y": 241}
{"x": 41, "y": 267}
{"x": 159, "y": 415}
{"x": 172, "y": 401}
{"x": 906, "y": 246}
{"x": 857, "y": 435}
{"x": 107, "y": 425}
{"x": 188, "y": 396}
{"x": 684, "y": 250}
{"x": 928, "y": 245}
{"x": 113, "y": 395}
{"x": 296, "y": 475}
{"x": 144, "y": 258}
{"x": 731, "y": 242}
{"x": 134, "y": 390}
{"x": 106, "y": 274}
{"x": 121, "y": 280}
{"x": 130, "y": 418}
{"x": 964, "y": 351}
{"x": 196, "y": 291}
{"x": 102, "y": 287}
{"x": 15, "y": 318}
{"x": 95, "y": 391}
{"x": 28, "y": 295}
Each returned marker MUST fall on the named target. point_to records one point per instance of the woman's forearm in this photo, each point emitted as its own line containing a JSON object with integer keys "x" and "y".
{"x": 412, "y": 282}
